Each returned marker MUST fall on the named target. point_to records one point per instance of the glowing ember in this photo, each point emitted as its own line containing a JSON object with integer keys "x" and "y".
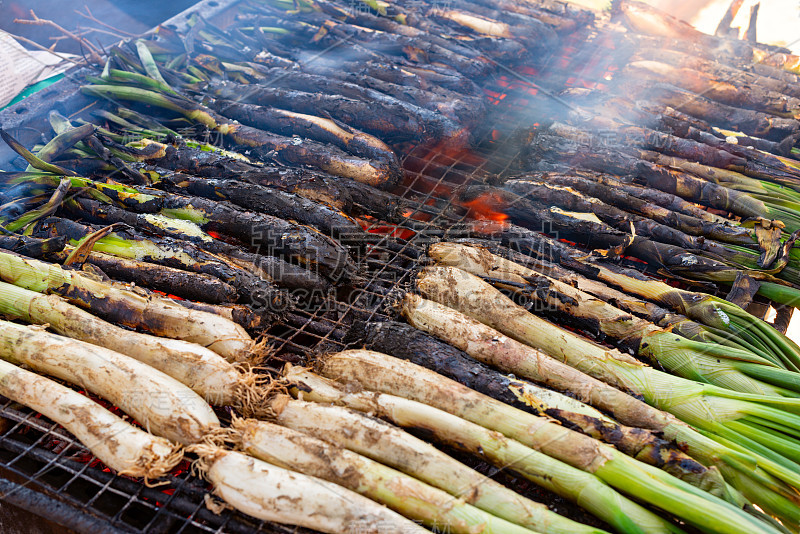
{"x": 168, "y": 295}
{"x": 487, "y": 206}
{"x": 487, "y": 227}
{"x": 372, "y": 226}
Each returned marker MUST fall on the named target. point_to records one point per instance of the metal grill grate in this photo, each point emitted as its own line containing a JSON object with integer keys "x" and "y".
{"x": 41, "y": 456}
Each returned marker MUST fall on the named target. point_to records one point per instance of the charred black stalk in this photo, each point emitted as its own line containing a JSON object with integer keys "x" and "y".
{"x": 569, "y": 199}
{"x": 690, "y": 187}
{"x": 269, "y": 201}
{"x": 408, "y": 343}
{"x": 671, "y": 258}
{"x": 631, "y": 162}
{"x": 298, "y": 242}
{"x": 369, "y": 201}
{"x": 607, "y": 190}
{"x": 267, "y": 146}
{"x": 534, "y": 34}
{"x": 649, "y": 20}
{"x": 414, "y": 49}
{"x": 186, "y": 256}
{"x": 308, "y": 126}
{"x": 648, "y": 194}
{"x": 634, "y": 136}
{"x": 743, "y": 146}
{"x": 750, "y": 122}
{"x": 360, "y": 20}
{"x": 438, "y": 76}
{"x": 174, "y": 255}
{"x": 196, "y": 162}
{"x": 520, "y": 13}
{"x": 735, "y": 75}
{"x": 105, "y": 154}
{"x": 193, "y": 286}
{"x": 33, "y": 247}
{"x": 774, "y": 254}
{"x": 434, "y": 78}
{"x": 509, "y": 29}
{"x": 668, "y": 119}
{"x": 393, "y": 21}
{"x": 723, "y": 52}
{"x": 774, "y": 72}
{"x": 368, "y": 110}
{"x": 270, "y": 235}
{"x": 777, "y": 202}
{"x": 466, "y": 110}
{"x": 720, "y": 90}
{"x": 491, "y": 39}
{"x": 562, "y": 17}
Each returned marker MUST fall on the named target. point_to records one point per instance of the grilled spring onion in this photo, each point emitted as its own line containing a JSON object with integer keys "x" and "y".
{"x": 120, "y": 445}
{"x": 153, "y": 314}
{"x": 406, "y": 495}
{"x": 188, "y": 218}
{"x": 409, "y": 343}
{"x": 756, "y": 424}
{"x": 207, "y": 373}
{"x": 490, "y": 346}
{"x": 255, "y": 280}
{"x": 612, "y": 192}
{"x": 31, "y": 246}
{"x": 707, "y": 309}
{"x": 635, "y": 305}
{"x": 320, "y": 129}
{"x": 723, "y": 317}
{"x": 158, "y": 402}
{"x": 324, "y": 157}
{"x": 169, "y": 280}
{"x": 723, "y": 366}
{"x": 271, "y": 493}
{"x": 379, "y": 372}
{"x": 580, "y": 487}
{"x": 391, "y": 446}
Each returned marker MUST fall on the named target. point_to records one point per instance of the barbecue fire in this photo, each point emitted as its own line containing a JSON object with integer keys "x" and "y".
{"x": 488, "y": 206}
{"x": 271, "y": 246}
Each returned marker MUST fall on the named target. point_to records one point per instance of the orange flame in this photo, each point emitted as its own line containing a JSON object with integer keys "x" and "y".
{"x": 487, "y": 206}
{"x": 371, "y": 225}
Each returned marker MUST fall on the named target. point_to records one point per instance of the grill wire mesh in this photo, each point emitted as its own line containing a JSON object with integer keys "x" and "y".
{"x": 41, "y": 456}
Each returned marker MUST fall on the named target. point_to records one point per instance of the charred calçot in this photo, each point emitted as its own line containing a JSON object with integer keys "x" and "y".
{"x": 268, "y": 146}
{"x": 252, "y": 174}
{"x": 344, "y": 194}
{"x": 266, "y": 234}
{"x": 172, "y": 266}
{"x": 310, "y": 127}
{"x": 537, "y": 215}
{"x": 378, "y": 114}
{"x": 407, "y": 342}
{"x": 181, "y": 158}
